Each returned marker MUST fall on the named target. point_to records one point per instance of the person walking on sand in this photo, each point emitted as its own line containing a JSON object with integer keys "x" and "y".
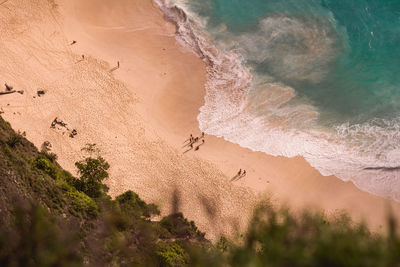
{"x": 189, "y": 139}
{"x": 244, "y": 173}
{"x": 83, "y": 57}
{"x": 118, "y": 64}
{"x": 198, "y": 147}
{"x": 73, "y": 42}
{"x": 239, "y": 172}
{"x": 202, "y": 135}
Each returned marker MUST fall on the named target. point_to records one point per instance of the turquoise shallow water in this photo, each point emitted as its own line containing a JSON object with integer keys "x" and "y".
{"x": 349, "y": 50}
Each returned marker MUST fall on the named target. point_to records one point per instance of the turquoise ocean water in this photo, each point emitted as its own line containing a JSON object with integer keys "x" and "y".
{"x": 316, "y": 78}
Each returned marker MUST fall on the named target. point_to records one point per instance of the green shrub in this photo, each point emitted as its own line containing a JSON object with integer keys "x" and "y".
{"x": 50, "y": 167}
{"x": 171, "y": 254}
{"x": 180, "y": 227}
{"x": 49, "y": 155}
{"x": 14, "y": 139}
{"x": 131, "y": 203}
{"x": 279, "y": 238}
{"x": 47, "y": 166}
{"x": 66, "y": 176}
{"x": 92, "y": 173}
{"x": 82, "y": 203}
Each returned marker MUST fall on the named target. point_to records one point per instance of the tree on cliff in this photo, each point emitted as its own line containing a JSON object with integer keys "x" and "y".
{"x": 92, "y": 172}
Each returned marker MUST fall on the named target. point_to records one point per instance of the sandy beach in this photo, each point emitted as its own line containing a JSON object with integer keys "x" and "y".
{"x": 140, "y": 114}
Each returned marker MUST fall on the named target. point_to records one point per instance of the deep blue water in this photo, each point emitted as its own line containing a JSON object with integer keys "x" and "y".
{"x": 340, "y": 56}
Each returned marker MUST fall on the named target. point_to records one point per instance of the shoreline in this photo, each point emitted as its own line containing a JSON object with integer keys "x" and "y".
{"x": 140, "y": 114}
{"x": 176, "y": 117}
{"x": 228, "y": 76}
{"x": 288, "y": 180}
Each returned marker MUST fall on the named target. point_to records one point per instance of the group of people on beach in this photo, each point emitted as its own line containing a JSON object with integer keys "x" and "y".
{"x": 191, "y": 142}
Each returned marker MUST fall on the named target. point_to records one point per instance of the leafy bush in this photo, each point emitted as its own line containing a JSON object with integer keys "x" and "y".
{"x": 180, "y": 227}
{"x": 47, "y": 166}
{"x": 49, "y": 155}
{"x": 51, "y": 168}
{"x": 131, "y": 204}
{"x": 14, "y": 139}
{"x": 82, "y": 203}
{"x": 92, "y": 173}
{"x": 171, "y": 254}
{"x": 279, "y": 238}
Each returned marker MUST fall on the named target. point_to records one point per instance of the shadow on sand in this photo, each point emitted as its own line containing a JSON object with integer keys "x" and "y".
{"x": 237, "y": 177}
{"x": 188, "y": 150}
{"x": 114, "y": 69}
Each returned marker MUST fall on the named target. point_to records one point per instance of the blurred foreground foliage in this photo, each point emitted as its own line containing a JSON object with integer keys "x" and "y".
{"x": 48, "y": 217}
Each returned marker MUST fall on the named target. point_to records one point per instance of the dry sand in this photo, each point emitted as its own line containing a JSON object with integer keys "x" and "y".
{"x": 140, "y": 114}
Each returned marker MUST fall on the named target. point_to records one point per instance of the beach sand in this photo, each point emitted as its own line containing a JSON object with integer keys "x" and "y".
{"x": 140, "y": 114}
